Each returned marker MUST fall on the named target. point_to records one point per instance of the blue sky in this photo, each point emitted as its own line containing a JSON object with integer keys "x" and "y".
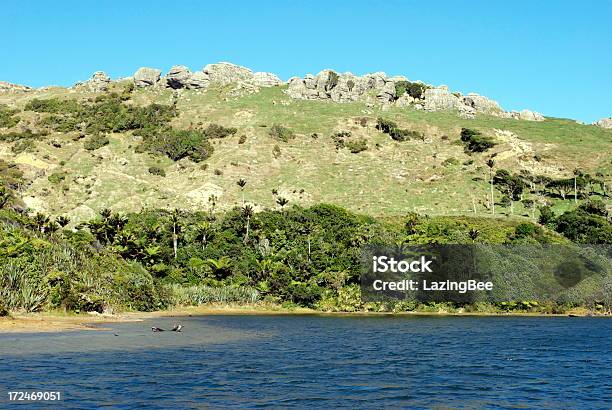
{"x": 550, "y": 56}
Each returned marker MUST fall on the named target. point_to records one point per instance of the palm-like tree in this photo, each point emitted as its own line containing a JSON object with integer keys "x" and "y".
{"x": 175, "y": 223}
{"x": 282, "y": 202}
{"x": 247, "y": 212}
{"x": 242, "y": 183}
{"x": 491, "y": 164}
{"x": 220, "y": 267}
{"x": 40, "y": 221}
{"x": 203, "y": 232}
{"x": 473, "y": 233}
{"x": 212, "y": 200}
{"x": 62, "y": 221}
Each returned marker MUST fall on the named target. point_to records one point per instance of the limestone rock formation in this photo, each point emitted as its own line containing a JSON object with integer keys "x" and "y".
{"x": 604, "y": 123}
{"x": 146, "y": 76}
{"x": 225, "y": 73}
{"x": 6, "y": 87}
{"x": 98, "y": 82}
{"x": 178, "y": 77}
{"x": 481, "y": 104}
{"x": 266, "y": 79}
{"x": 440, "y": 98}
{"x": 525, "y": 115}
{"x": 198, "y": 80}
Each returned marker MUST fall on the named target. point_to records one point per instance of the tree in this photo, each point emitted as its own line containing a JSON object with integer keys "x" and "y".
{"x": 491, "y": 164}
{"x": 247, "y": 212}
{"x": 241, "y": 183}
{"x": 473, "y": 233}
{"x": 203, "y": 232}
{"x": 40, "y": 221}
{"x": 212, "y": 200}
{"x": 282, "y": 202}
{"x": 62, "y": 221}
{"x": 511, "y": 185}
{"x": 175, "y": 223}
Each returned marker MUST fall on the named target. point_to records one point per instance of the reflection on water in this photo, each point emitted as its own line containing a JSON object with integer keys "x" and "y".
{"x": 311, "y": 361}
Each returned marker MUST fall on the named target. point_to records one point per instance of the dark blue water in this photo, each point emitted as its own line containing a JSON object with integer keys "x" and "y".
{"x": 323, "y": 362}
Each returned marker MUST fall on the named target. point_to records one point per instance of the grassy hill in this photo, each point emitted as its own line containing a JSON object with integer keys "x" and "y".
{"x": 430, "y": 175}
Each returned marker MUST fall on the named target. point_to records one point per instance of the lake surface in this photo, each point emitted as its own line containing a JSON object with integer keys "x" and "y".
{"x": 322, "y": 362}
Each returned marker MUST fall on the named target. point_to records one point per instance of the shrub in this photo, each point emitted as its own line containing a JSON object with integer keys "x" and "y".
{"x": 474, "y": 141}
{"x": 415, "y": 90}
{"x": 281, "y": 133}
{"x": 52, "y": 105}
{"x": 219, "y": 131}
{"x": 95, "y": 141}
{"x": 22, "y": 135}
{"x": 56, "y": 177}
{"x": 7, "y": 117}
{"x": 276, "y": 152}
{"x": 357, "y": 146}
{"x": 22, "y": 146}
{"x": 396, "y": 133}
{"x": 157, "y": 171}
{"x": 177, "y": 144}
{"x": 242, "y": 139}
{"x": 340, "y": 137}
{"x": 450, "y": 161}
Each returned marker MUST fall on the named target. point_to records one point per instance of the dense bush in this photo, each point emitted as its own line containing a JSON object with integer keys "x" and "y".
{"x": 281, "y": 133}
{"x": 474, "y": 141}
{"x": 22, "y": 135}
{"x": 396, "y": 133}
{"x": 177, "y": 144}
{"x": 95, "y": 141}
{"x": 157, "y": 171}
{"x": 8, "y": 118}
{"x": 413, "y": 89}
{"x": 107, "y": 113}
{"x": 357, "y": 146}
{"x": 219, "y": 131}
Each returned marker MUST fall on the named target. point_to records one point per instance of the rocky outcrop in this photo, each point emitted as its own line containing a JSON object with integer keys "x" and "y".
{"x": 524, "y": 115}
{"x": 13, "y": 88}
{"x": 98, "y": 82}
{"x": 604, "y": 123}
{"x": 262, "y": 79}
{"x": 146, "y": 76}
{"x": 225, "y": 73}
{"x": 178, "y": 77}
{"x": 347, "y": 87}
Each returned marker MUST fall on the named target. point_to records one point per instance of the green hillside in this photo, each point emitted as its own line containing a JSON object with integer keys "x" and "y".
{"x": 430, "y": 174}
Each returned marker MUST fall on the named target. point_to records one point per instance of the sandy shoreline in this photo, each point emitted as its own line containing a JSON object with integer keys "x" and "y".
{"x": 61, "y": 322}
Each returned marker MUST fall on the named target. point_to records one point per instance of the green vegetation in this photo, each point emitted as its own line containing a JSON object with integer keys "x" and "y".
{"x": 474, "y": 141}
{"x": 281, "y": 133}
{"x": 396, "y": 133}
{"x": 177, "y": 144}
{"x": 157, "y": 171}
{"x": 415, "y": 90}
{"x": 95, "y": 142}
{"x": 7, "y": 117}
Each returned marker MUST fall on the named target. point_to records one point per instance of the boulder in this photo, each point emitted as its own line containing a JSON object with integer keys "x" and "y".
{"x": 225, "y": 73}
{"x": 604, "y": 123}
{"x": 527, "y": 115}
{"x": 98, "y": 82}
{"x": 298, "y": 89}
{"x": 325, "y": 81}
{"x": 349, "y": 88}
{"x": 387, "y": 92}
{"x": 178, "y": 77}
{"x": 439, "y": 98}
{"x": 198, "y": 80}
{"x": 266, "y": 79}
{"x": 481, "y": 104}
{"x": 146, "y": 76}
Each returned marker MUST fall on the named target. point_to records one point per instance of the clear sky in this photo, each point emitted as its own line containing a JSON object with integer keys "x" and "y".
{"x": 551, "y": 56}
